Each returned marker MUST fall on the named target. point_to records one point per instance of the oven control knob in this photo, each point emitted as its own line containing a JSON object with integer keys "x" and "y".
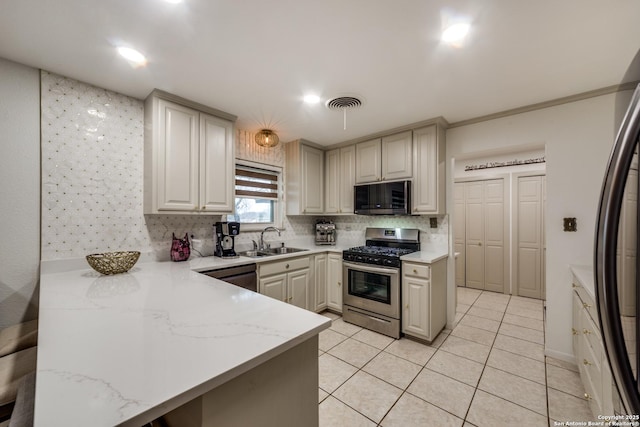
{"x": 376, "y": 261}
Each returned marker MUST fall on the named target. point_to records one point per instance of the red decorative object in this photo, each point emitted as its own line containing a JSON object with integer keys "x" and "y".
{"x": 180, "y": 248}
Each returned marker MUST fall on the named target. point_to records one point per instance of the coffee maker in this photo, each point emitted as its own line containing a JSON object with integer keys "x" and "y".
{"x": 225, "y": 234}
{"x": 325, "y": 232}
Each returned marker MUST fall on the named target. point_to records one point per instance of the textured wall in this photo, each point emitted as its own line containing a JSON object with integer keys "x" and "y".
{"x": 19, "y": 192}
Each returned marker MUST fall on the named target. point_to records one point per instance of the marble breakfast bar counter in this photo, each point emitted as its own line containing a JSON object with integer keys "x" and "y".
{"x": 126, "y": 349}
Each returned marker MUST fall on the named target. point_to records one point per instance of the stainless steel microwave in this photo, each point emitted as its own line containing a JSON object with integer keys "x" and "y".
{"x": 385, "y": 198}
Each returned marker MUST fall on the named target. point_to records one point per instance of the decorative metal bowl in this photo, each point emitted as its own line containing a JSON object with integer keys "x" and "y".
{"x": 113, "y": 262}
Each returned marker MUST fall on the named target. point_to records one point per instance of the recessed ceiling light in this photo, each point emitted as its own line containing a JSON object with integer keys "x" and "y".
{"x": 173, "y": 1}
{"x": 132, "y": 56}
{"x": 455, "y": 33}
{"x": 311, "y": 99}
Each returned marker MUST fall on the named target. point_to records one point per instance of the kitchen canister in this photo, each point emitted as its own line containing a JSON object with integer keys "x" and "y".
{"x": 180, "y": 248}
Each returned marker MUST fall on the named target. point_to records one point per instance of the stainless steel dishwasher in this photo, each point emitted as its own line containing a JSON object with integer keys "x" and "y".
{"x": 241, "y": 275}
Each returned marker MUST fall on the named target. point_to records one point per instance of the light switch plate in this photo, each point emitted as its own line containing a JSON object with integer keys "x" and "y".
{"x": 570, "y": 224}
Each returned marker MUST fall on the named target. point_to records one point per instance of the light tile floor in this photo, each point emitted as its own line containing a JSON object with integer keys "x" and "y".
{"x": 490, "y": 370}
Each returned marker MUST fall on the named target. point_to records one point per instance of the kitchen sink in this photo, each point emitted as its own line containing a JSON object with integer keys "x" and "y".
{"x": 283, "y": 250}
{"x": 254, "y": 254}
{"x": 270, "y": 252}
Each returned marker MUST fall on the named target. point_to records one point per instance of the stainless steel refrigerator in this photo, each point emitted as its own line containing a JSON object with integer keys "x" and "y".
{"x": 617, "y": 266}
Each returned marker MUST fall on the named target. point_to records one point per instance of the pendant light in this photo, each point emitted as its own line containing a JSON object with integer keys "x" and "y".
{"x": 267, "y": 138}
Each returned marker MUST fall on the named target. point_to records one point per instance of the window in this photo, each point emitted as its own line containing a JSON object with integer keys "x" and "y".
{"x": 257, "y": 195}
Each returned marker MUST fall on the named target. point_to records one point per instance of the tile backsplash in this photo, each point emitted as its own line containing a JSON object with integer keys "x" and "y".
{"x": 92, "y": 182}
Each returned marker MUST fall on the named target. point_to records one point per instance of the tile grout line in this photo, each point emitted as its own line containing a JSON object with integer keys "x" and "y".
{"x": 475, "y": 391}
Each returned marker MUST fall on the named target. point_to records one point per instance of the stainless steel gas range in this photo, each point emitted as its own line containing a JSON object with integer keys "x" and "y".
{"x": 371, "y": 297}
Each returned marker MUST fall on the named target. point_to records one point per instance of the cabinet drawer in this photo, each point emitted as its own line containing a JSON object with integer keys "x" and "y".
{"x": 416, "y": 270}
{"x": 284, "y": 266}
{"x": 587, "y": 301}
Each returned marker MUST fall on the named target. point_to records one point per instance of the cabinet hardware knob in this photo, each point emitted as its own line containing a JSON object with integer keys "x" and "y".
{"x": 286, "y": 266}
{"x": 203, "y": 208}
{"x": 407, "y": 307}
{"x": 339, "y": 283}
{"x": 585, "y": 305}
{"x": 587, "y": 396}
{"x": 586, "y": 331}
{"x": 574, "y": 331}
{"x": 415, "y": 209}
{"x": 586, "y": 362}
{"x": 479, "y": 243}
{"x": 415, "y": 271}
{"x": 573, "y": 285}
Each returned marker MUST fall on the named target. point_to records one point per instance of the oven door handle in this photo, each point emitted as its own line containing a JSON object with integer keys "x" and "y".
{"x": 370, "y": 269}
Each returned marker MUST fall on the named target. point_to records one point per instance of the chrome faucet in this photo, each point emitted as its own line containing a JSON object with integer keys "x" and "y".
{"x": 262, "y": 245}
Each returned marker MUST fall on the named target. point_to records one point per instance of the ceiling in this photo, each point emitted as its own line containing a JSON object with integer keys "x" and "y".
{"x": 257, "y": 59}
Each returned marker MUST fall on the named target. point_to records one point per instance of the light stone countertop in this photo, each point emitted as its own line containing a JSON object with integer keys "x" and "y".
{"x": 427, "y": 256}
{"x": 125, "y": 349}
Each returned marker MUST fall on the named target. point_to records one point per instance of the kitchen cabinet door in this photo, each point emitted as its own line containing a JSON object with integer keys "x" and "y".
{"x": 298, "y": 289}
{"x": 424, "y": 299}
{"x": 368, "y": 163}
{"x": 274, "y": 286}
{"x": 188, "y": 157}
{"x": 304, "y": 179}
{"x": 429, "y": 170}
{"x": 340, "y": 177}
{"x": 334, "y": 282}
{"x": 177, "y": 157}
{"x": 397, "y": 156}
{"x": 217, "y": 176}
{"x": 415, "y": 295}
{"x": 332, "y": 181}
{"x": 318, "y": 285}
{"x": 347, "y": 178}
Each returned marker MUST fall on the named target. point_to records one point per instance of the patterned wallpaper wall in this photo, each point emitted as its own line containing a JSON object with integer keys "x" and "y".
{"x": 92, "y": 181}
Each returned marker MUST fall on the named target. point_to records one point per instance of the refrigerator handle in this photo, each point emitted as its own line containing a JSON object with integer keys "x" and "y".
{"x": 607, "y": 223}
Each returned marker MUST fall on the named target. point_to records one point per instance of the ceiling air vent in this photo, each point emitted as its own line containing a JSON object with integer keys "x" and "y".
{"x": 344, "y": 103}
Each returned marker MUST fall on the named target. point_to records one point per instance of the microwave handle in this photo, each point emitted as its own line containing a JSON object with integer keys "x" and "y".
{"x": 370, "y": 269}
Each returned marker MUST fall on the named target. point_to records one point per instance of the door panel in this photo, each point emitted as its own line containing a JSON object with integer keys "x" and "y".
{"x": 459, "y": 227}
{"x": 528, "y": 225}
{"x": 474, "y": 218}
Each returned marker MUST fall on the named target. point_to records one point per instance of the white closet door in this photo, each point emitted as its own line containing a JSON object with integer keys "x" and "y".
{"x": 474, "y": 226}
{"x": 494, "y": 237}
{"x": 529, "y": 243}
{"x": 459, "y": 232}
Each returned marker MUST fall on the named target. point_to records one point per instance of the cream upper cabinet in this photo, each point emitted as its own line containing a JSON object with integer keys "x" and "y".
{"x": 385, "y": 159}
{"x": 217, "y": 164}
{"x": 304, "y": 179}
{"x": 368, "y": 163}
{"x": 428, "y": 171}
{"x": 397, "y": 156}
{"x": 340, "y": 175}
{"x": 188, "y": 158}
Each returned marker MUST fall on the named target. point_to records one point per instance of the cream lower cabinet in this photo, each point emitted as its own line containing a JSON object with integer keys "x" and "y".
{"x": 287, "y": 280}
{"x": 424, "y": 299}
{"x": 188, "y": 157}
{"x": 589, "y": 353}
{"x": 334, "y": 282}
{"x": 319, "y": 282}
